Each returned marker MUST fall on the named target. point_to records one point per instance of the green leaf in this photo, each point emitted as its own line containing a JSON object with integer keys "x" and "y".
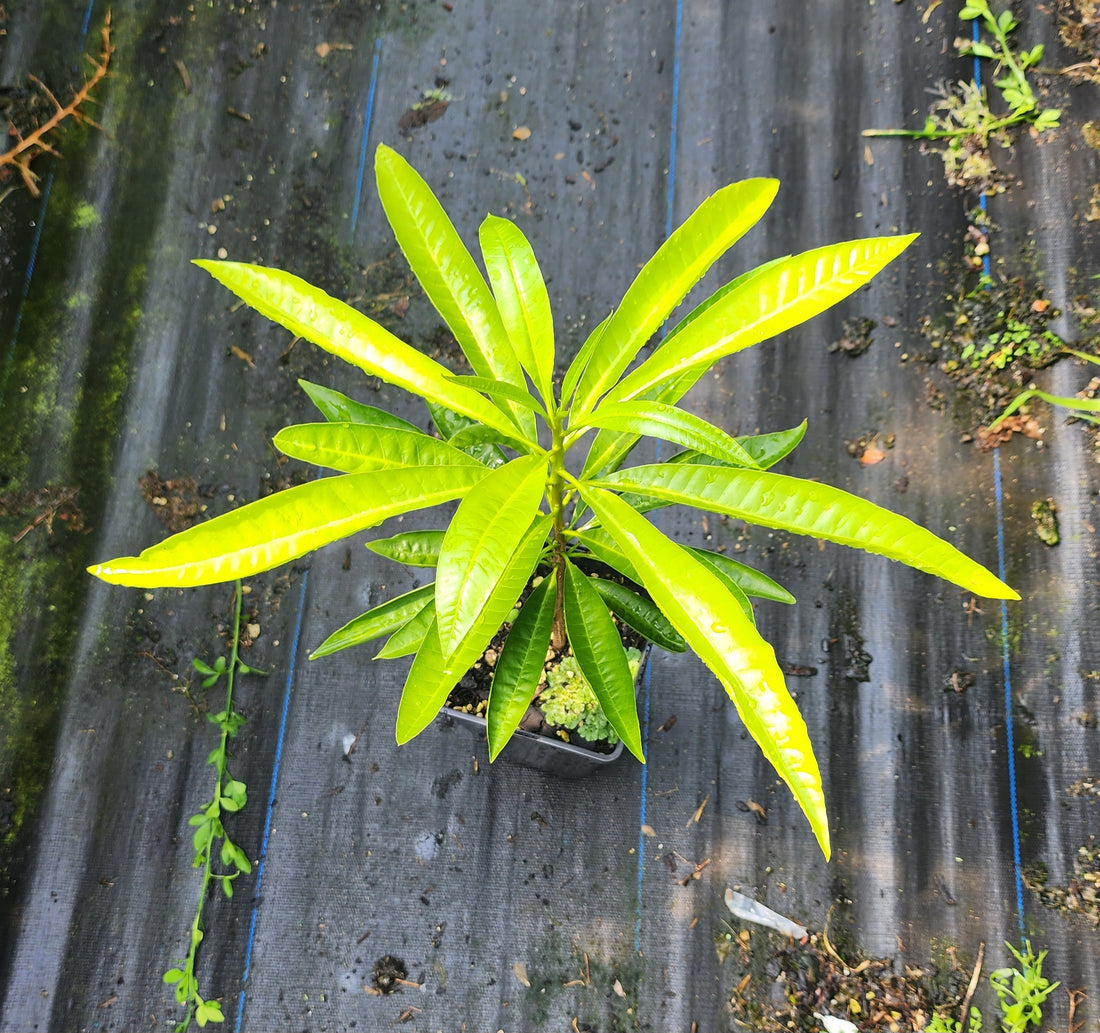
{"x": 172, "y": 976}
{"x": 598, "y": 542}
{"x": 485, "y": 531}
{"x": 750, "y": 580}
{"x": 716, "y": 628}
{"x": 731, "y": 586}
{"x": 447, "y": 272}
{"x": 786, "y": 294}
{"x": 665, "y": 279}
{"x": 521, "y": 297}
{"x": 498, "y": 388}
{"x": 208, "y": 1011}
{"x": 810, "y": 508}
{"x": 378, "y": 621}
{"x": 287, "y": 525}
{"x": 309, "y": 312}
{"x": 519, "y": 666}
{"x": 338, "y": 408}
{"x": 580, "y": 361}
{"x": 639, "y": 613}
{"x": 596, "y": 644}
{"x": 410, "y": 636}
{"x": 430, "y": 677}
{"x": 451, "y": 425}
{"x": 413, "y": 548}
{"x": 980, "y": 50}
{"x": 656, "y": 419}
{"x": 355, "y": 448}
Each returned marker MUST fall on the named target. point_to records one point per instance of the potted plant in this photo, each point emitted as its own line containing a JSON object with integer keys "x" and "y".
{"x": 537, "y": 468}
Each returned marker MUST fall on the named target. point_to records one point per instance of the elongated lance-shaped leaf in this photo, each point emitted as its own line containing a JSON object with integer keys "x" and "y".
{"x": 431, "y": 678}
{"x": 596, "y": 644}
{"x": 378, "y": 621}
{"x": 485, "y": 531}
{"x": 665, "y": 279}
{"x": 287, "y": 525}
{"x": 519, "y": 667}
{"x": 413, "y": 548}
{"x": 750, "y": 580}
{"x": 521, "y": 297}
{"x": 658, "y": 420}
{"x": 610, "y": 448}
{"x": 640, "y": 613}
{"x": 716, "y": 628}
{"x": 449, "y": 424}
{"x": 807, "y": 507}
{"x": 731, "y": 586}
{"x": 786, "y": 294}
{"x": 309, "y": 312}
{"x": 445, "y": 269}
{"x": 508, "y": 392}
{"x": 338, "y": 408}
{"x": 355, "y": 448}
{"x": 598, "y": 542}
{"x": 407, "y": 639}
{"x": 580, "y": 361}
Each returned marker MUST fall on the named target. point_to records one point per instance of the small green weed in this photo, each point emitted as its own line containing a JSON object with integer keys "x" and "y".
{"x": 961, "y": 114}
{"x": 945, "y": 1024}
{"x": 1022, "y": 990}
{"x": 210, "y": 836}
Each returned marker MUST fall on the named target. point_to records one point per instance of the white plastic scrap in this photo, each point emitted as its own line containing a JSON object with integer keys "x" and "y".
{"x": 750, "y": 910}
{"x": 834, "y": 1025}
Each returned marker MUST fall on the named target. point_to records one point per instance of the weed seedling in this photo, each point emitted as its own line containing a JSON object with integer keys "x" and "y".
{"x": 210, "y": 837}
{"x": 1022, "y": 990}
{"x": 961, "y": 114}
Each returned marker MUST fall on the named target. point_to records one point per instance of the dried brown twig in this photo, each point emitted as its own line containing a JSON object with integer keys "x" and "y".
{"x": 38, "y": 141}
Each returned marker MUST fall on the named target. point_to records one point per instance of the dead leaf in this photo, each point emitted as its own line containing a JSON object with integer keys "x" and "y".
{"x": 519, "y": 970}
{"x": 241, "y": 354}
{"x": 698, "y": 811}
{"x": 618, "y": 988}
{"x": 324, "y": 49}
{"x": 872, "y": 454}
{"x": 521, "y": 133}
{"x": 867, "y": 155}
{"x": 647, "y": 830}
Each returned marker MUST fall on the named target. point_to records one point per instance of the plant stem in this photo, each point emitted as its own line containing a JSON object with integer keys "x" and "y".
{"x": 555, "y": 493}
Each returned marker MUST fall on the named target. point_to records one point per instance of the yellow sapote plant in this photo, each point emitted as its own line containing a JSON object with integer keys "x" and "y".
{"x": 537, "y": 467}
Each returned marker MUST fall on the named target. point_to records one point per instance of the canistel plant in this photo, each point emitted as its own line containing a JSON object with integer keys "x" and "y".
{"x": 538, "y": 468}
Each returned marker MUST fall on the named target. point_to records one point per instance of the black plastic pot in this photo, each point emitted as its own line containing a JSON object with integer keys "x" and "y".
{"x": 549, "y": 753}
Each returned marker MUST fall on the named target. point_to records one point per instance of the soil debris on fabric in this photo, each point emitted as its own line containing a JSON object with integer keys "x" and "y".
{"x": 777, "y": 989}
{"x": 855, "y": 336}
{"x": 389, "y": 974}
{"x": 1080, "y": 895}
{"x": 177, "y": 502}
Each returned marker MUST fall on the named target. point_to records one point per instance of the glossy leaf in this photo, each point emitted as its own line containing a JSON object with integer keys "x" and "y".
{"x": 378, "y": 621}
{"x": 521, "y": 297}
{"x": 716, "y": 628}
{"x": 338, "y": 408}
{"x": 431, "y": 678}
{"x": 786, "y": 294}
{"x": 485, "y": 531}
{"x": 407, "y": 639}
{"x": 580, "y": 361}
{"x": 308, "y": 312}
{"x": 750, "y": 580}
{"x": 446, "y": 271}
{"x": 598, "y": 542}
{"x": 810, "y": 508}
{"x": 287, "y": 525}
{"x": 728, "y": 583}
{"x": 666, "y": 278}
{"x": 639, "y": 613}
{"x": 596, "y": 644}
{"x": 355, "y": 448}
{"x": 413, "y": 548}
{"x": 519, "y": 666}
{"x": 452, "y": 424}
{"x": 498, "y": 388}
{"x": 610, "y": 448}
{"x": 658, "y": 420}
